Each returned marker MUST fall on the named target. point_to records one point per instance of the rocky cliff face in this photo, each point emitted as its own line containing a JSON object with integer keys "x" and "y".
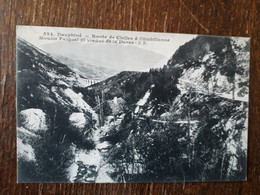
{"x": 196, "y": 106}
{"x": 51, "y": 115}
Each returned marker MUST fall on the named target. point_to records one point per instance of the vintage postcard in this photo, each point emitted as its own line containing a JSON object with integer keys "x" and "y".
{"x": 106, "y": 106}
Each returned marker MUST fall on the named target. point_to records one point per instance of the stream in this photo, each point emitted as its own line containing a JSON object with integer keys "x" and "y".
{"x": 91, "y": 166}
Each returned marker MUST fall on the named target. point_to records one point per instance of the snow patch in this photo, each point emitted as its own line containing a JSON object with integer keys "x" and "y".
{"x": 33, "y": 119}
{"x": 115, "y": 100}
{"x": 244, "y": 134}
{"x": 165, "y": 116}
{"x": 192, "y": 79}
{"x": 208, "y": 56}
{"x": 232, "y": 147}
{"x": 229, "y": 125}
{"x": 137, "y": 109}
{"x": 73, "y": 171}
{"x": 77, "y": 119}
{"x": 25, "y": 132}
{"x": 103, "y": 145}
{"x": 222, "y": 81}
{"x": 88, "y": 158}
{"x": 78, "y": 102}
{"x": 149, "y": 112}
{"x": 142, "y": 101}
{"x": 52, "y": 75}
{"x": 25, "y": 151}
{"x": 60, "y": 82}
{"x": 102, "y": 176}
{"x": 240, "y": 42}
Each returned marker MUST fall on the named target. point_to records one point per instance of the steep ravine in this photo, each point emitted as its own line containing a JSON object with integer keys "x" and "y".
{"x": 193, "y": 103}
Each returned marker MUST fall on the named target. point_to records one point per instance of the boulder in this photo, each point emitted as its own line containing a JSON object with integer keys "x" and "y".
{"x": 78, "y": 120}
{"x": 33, "y": 119}
{"x": 25, "y": 150}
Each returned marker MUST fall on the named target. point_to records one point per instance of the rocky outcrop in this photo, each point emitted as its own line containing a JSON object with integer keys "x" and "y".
{"x": 31, "y": 121}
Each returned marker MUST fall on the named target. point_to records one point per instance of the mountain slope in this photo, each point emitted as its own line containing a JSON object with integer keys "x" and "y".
{"x": 45, "y": 98}
{"x": 189, "y": 122}
{"x": 132, "y": 58}
{"x": 96, "y": 73}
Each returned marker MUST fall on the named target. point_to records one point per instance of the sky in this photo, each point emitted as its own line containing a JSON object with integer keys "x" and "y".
{"x": 142, "y": 54}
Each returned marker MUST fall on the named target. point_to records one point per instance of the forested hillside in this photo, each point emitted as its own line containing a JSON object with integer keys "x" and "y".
{"x": 186, "y": 121}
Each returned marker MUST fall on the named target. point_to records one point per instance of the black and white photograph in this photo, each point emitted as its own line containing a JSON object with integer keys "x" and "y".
{"x": 109, "y": 106}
